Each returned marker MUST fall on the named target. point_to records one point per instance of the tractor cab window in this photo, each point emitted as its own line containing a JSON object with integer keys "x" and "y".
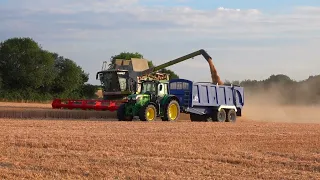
{"x": 162, "y": 90}
{"x": 148, "y": 87}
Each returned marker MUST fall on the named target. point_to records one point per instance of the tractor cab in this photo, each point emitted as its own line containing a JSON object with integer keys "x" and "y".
{"x": 151, "y": 91}
{"x": 154, "y": 87}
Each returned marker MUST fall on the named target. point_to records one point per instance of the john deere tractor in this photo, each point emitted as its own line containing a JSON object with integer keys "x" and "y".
{"x": 153, "y": 101}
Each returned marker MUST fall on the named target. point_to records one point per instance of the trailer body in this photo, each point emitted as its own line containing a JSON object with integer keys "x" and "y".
{"x": 206, "y": 98}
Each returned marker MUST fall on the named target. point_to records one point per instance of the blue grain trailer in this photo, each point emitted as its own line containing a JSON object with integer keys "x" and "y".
{"x": 205, "y": 101}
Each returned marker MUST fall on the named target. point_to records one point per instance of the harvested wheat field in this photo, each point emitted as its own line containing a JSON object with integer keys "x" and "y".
{"x": 160, "y": 150}
{"x": 269, "y": 142}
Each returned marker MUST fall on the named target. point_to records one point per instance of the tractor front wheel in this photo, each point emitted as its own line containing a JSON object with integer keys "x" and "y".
{"x": 172, "y": 111}
{"x": 148, "y": 113}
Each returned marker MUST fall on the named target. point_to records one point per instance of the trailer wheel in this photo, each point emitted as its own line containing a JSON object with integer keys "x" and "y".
{"x": 121, "y": 114}
{"x": 231, "y": 116}
{"x": 220, "y": 116}
{"x": 148, "y": 113}
{"x": 172, "y": 111}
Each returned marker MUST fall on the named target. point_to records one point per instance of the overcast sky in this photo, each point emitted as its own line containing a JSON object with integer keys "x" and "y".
{"x": 247, "y": 39}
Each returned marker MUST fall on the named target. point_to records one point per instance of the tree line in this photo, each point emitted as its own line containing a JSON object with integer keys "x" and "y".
{"x": 30, "y": 73}
{"x": 285, "y": 89}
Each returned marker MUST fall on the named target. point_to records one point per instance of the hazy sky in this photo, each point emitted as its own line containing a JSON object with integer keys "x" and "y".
{"x": 247, "y": 39}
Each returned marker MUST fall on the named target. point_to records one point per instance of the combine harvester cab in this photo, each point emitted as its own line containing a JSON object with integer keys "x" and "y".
{"x": 205, "y": 101}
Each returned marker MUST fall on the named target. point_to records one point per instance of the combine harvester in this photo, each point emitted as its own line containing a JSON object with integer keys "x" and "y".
{"x": 125, "y": 79}
{"x": 118, "y": 82}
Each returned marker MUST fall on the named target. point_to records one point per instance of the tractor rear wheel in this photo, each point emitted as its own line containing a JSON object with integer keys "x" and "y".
{"x": 231, "y": 115}
{"x": 171, "y": 111}
{"x": 121, "y": 113}
{"x": 148, "y": 113}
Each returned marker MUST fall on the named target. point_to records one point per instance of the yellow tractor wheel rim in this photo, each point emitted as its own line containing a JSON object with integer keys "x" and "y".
{"x": 173, "y": 111}
{"x": 150, "y": 114}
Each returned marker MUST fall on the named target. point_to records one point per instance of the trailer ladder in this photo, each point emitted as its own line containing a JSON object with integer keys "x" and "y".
{"x": 186, "y": 98}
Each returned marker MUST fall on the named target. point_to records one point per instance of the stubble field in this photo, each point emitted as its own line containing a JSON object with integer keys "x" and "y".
{"x": 276, "y": 143}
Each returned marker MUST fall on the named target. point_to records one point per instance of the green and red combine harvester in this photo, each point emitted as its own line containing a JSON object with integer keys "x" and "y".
{"x": 204, "y": 101}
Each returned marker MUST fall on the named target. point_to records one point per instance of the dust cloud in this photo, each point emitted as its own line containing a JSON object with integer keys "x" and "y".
{"x": 272, "y": 106}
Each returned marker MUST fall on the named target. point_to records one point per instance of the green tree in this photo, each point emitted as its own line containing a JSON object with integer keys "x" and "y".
{"x": 88, "y": 91}
{"x": 70, "y": 78}
{"x": 279, "y": 78}
{"x": 24, "y": 65}
{"x": 27, "y": 72}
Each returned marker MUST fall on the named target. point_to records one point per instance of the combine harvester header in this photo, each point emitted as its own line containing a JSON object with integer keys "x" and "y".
{"x": 125, "y": 79}
{"x": 86, "y": 104}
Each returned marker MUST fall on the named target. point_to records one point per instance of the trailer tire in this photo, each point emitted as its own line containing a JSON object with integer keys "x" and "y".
{"x": 148, "y": 113}
{"x": 220, "y": 116}
{"x": 231, "y": 115}
{"x": 121, "y": 114}
{"x": 171, "y": 111}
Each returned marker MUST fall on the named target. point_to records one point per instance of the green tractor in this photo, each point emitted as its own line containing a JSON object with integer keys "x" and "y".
{"x": 153, "y": 101}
